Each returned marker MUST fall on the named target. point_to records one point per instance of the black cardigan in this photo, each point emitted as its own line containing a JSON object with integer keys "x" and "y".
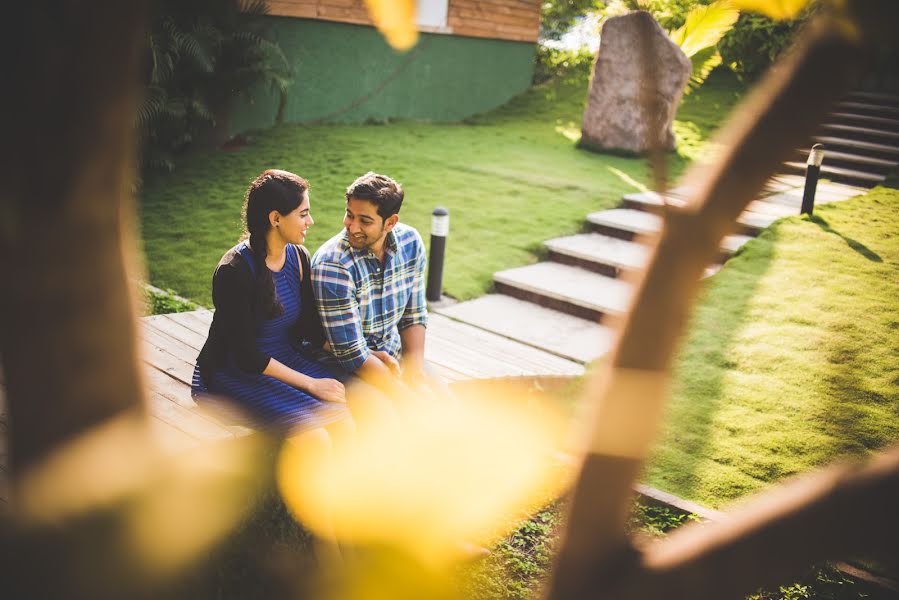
{"x": 233, "y": 328}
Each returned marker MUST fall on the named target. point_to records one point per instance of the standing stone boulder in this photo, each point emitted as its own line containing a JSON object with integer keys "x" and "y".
{"x": 637, "y": 67}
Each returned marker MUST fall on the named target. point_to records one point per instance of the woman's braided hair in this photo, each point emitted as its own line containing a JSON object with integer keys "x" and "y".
{"x": 271, "y": 190}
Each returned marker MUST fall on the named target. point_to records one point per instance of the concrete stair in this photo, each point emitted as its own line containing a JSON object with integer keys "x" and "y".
{"x": 861, "y": 140}
{"x": 571, "y": 290}
{"x": 562, "y": 305}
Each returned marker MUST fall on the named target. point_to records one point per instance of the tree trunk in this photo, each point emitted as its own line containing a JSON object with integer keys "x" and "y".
{"x": 67, "y": 314}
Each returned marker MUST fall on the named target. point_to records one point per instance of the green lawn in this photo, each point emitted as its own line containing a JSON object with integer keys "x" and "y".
{"x": 511, "y": 179}
{"x": 791, "y": 360}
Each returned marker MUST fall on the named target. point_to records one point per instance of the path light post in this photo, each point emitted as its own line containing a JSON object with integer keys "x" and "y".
{"x": 439, "y": 231}
{"x": 812, "y": 172}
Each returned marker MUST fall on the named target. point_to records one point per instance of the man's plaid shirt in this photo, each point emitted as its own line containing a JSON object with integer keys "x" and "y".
{"x": 364, "y": 305}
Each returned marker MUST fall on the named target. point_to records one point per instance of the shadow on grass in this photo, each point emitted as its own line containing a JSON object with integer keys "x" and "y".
{"x": 703, "y": 364}
{"x": 854, "y": 244}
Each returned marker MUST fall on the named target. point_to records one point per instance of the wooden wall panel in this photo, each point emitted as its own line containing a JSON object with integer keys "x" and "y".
{"x": 517, "y": 20}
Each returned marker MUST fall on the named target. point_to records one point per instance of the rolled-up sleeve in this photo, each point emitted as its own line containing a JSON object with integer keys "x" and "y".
{"x": 335, "y": 296}
{"x": 416, "y": 311}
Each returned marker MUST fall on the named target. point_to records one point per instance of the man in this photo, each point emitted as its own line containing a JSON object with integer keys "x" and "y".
{"x": 369, "y": 283}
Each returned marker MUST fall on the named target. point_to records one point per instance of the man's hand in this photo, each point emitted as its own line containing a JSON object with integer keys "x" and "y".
{"x": 391, "y": 363}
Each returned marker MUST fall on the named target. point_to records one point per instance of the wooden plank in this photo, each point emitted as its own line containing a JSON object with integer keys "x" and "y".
{"x": 195, "y": 320}
{"x": 465, "y": 30}
{"x": 292, "y": 9}
{"x": 169, "y": 344}
{"x": 471, "y": 16}
{"x": 532, "y": 360}
{"x": 171, "y": 439}
{"x": 494, "y": 8}
{"x": 176, "y": 330}
{"x": 163, "y": 384}
{"x": 165, "y": 362}
{"x": 192, "y": 423}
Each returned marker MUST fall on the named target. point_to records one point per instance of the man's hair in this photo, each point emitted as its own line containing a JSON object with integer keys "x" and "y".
{"x": 382, "y": 191}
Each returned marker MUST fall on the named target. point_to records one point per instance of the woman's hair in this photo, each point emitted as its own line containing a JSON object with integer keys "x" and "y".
{"x": 271, "y": 190}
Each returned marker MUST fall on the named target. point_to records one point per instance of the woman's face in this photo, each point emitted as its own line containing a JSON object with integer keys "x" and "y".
{"x": 294, "y": 224}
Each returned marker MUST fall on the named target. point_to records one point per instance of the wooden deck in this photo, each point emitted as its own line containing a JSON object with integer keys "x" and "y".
{"x": 170, "y": 344}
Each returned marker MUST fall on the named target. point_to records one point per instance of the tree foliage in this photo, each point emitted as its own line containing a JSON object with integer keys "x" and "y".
{"x": 558, "y": 16}
{"x": 200, "y": 56}
{"x": 747, "y": 44}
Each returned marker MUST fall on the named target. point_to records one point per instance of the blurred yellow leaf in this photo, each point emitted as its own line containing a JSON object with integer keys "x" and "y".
{"x": 776, "y": 9}
{"x": 395, "y": 19}
{"x": 445, "y": 474}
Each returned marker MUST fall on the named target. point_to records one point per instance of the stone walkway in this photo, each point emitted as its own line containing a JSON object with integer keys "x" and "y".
{"x": 558, "y": 305}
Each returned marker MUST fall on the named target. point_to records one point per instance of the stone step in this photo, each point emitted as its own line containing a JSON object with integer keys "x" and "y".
{"x": 598, "y": 253}
{"x": 868, "y": 108}
{"x": 836, "y": 158}
{"x": 885, "y": 151}
{"x": 878, "y": 98}
{"x": 864, "y": 134}
{"x": 825, "y": 193}
{"x": 748, "y": 223}
{"x": 627, "y": 223}
{"x": 839, "y": 174}
{"x": 552, "y": 331}
{"x": 885, "y": 122}
{"x": 606, "y": 255}
{"x": 568, "y": 289}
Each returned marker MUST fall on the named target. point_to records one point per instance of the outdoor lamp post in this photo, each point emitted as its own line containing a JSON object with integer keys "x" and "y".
{"x": 439, "y": 231}
{"x": 812, "y": 172}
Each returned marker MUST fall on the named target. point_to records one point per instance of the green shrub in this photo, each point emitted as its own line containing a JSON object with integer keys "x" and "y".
{"x": 161, "y": 302}
{"x": 551, "y": 63}
{"x": 755, "y": 42}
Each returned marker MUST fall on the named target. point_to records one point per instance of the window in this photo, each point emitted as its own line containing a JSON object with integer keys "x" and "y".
{"x": 432, "y": 13}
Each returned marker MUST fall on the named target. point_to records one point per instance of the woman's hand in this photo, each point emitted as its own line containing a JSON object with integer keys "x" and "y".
{"x": 329, "y": 390}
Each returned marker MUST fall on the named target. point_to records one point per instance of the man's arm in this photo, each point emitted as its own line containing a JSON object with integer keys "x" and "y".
{"x": 335, "y": 298}
{"x": 412, "y": 325}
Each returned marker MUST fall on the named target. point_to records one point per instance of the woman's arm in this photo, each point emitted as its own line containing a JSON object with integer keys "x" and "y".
{"x": 329, "y": 390}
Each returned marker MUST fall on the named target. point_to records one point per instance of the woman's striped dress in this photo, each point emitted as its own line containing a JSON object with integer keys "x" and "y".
{"x": 262, "y": 401}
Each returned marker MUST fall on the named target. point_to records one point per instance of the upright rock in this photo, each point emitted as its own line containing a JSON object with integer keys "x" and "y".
{"x": 626, "y": 82}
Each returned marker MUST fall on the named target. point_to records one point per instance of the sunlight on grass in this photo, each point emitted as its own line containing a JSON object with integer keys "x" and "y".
{"x": 628, "y": 179}
{"x": 508, "y": 177}
{"x": 569, "y": 131}
{"x": 791, "y": 358}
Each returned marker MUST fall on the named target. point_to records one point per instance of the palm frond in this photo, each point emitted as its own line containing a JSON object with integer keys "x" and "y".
{"x": 703, "y": 62}
{"x": 705, "y": 26}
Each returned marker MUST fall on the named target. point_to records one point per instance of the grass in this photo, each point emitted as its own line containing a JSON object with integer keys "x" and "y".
{"x": 511, "y": 179}
{"x": 790, "y": 361}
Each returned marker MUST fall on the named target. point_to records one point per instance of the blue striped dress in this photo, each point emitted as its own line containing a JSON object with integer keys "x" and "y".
{"x": 264, "y": 402}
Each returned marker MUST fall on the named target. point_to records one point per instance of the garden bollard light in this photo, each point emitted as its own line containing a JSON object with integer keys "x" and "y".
{"x": 812, "y": 172}
{"x": 439, "y": 231}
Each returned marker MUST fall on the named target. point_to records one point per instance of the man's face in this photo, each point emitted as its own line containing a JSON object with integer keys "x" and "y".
{"x": 364, "y": 226}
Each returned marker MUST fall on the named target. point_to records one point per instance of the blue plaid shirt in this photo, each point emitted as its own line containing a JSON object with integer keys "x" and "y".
{"x": 364, "y": 305}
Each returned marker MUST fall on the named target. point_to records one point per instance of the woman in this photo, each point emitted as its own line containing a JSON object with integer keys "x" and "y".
{"x": 265, "y": 321}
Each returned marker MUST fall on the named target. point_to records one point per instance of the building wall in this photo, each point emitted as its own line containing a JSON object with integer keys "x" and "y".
{"x": 348, "y": 73}
{"x": 517, "y": 20}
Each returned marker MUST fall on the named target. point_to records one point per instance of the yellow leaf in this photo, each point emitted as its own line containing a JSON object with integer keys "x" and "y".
{"x": 444, "y": 474}
{"x": 776, "y": 9}
{"x": 395, "y": 19}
